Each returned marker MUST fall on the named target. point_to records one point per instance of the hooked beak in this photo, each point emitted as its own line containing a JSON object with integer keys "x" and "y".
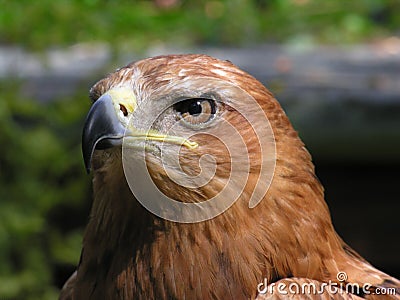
{"x": 102, "y": 129}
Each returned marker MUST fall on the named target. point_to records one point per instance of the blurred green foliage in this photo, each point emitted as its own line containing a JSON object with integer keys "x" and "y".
{"x": 44, "y": 191}
{"x": 41, "y": 179}
{"x": 135, "y": 24}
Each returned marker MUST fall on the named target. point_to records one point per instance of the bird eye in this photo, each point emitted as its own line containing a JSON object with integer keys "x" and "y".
{"x": 196, "y": 111}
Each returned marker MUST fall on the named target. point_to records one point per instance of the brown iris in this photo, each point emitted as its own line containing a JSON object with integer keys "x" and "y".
{"x": 196, "y": 111}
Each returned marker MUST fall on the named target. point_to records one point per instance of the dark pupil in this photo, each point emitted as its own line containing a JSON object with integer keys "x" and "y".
{"x": 194, "y": 108}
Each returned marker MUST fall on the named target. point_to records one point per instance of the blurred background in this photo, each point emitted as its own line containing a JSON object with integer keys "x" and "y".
{"x": 333, "y": 65}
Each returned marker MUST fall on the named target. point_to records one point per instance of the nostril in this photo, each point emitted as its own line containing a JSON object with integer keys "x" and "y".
{"x": 123, "y": 109}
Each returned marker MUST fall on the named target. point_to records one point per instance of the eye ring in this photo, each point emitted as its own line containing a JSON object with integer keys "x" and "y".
{"x": 196, "y": 111}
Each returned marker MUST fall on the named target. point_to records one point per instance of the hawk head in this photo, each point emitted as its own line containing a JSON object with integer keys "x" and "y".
{"x": 195, "y": 127}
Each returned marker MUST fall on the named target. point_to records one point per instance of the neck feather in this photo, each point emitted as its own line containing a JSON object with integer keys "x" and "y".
{"x": 134, "y": 254}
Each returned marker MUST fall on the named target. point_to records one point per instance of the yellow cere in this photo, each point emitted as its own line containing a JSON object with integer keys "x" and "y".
{"x": 124, "y": 96}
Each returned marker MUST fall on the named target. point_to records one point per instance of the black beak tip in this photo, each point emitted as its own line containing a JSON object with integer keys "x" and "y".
{"x": 87, "y": 150}
{"x": 102, "y": 129}
{"x": 88, "y": 167}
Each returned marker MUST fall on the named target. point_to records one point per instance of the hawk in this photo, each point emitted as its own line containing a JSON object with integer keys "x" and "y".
{"x": 203, "y": 190}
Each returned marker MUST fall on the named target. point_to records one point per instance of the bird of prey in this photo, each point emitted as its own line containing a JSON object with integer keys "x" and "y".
{"x": 180, "y": 115}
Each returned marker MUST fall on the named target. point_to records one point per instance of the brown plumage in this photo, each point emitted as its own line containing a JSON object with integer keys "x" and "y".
{"x": 129, "y": 253}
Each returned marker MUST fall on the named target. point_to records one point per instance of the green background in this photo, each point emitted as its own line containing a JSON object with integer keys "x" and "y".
{"x": 44, "y": 190}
